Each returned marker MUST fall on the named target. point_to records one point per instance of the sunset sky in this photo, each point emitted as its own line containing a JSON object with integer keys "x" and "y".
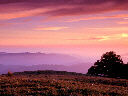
{"x": 82, "y": 27}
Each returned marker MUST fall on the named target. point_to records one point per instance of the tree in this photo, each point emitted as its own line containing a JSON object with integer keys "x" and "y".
{"x": 109, "y": 65}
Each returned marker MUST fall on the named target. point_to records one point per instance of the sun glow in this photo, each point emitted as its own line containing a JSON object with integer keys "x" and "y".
{"x": 124, "y": 35}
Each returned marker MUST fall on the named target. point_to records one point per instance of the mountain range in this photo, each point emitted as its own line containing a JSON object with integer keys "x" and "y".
{"x": 18, "y": 62}
{"x": 28, "y": 58}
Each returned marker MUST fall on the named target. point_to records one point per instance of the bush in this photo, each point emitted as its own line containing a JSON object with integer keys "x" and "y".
{"x": 10, "y": 74}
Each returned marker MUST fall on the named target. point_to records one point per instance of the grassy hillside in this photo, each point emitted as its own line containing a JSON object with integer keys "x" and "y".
{"x": 61, "y": 85}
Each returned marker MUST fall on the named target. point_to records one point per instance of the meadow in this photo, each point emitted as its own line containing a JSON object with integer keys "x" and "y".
{"x": 61, "y": 85}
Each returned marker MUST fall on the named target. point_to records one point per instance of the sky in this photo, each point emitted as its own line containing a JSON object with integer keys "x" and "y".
{"x": 80, "y": 27}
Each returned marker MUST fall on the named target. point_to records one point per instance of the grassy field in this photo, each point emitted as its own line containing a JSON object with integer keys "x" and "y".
{"x": 61, "y": 85}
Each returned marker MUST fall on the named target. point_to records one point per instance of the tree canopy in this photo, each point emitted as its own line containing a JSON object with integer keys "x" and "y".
{"x": 110, "y": 65}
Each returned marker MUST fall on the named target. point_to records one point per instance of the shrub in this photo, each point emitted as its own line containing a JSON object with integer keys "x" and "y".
{"x": 10, "y": 74}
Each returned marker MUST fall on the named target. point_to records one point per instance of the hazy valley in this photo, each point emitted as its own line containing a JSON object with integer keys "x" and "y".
{"x": 17, "y": 62}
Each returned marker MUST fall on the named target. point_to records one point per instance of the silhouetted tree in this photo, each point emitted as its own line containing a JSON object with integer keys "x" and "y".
{"x": 109, "y": 65}
{"x": 124, "y": 71}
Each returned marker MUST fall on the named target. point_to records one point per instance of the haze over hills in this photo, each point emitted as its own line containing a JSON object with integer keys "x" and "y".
{"x": 79, "y": 68}
{"x": 18, "y": 62}
{"x": 28, "y": 58}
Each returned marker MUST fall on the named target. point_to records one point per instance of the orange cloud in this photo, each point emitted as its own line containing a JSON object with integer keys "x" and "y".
{"x": 111, "y": 29}
{"x": 101, "y": 37}
{"x": 114, "y": 36}
{"x": 123, "y": 22}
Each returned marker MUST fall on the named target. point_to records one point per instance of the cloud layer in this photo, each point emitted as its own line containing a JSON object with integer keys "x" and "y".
{"x": 51, "y": 28}
{"x": 102, "y": 37}
{"x": 99, "y": 17}
{"x": 10, "y": 9}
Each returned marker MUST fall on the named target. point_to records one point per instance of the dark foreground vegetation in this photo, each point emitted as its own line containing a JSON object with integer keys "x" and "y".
{"x": 55, "y": 83}
{"x": 110, "y": 65}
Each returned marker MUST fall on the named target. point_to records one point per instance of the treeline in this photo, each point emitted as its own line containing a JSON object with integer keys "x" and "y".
{"x": 110, "y": 65}
{"x": 46, "y": 72}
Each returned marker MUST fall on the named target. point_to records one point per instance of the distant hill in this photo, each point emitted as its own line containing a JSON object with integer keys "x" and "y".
{"x": 80, "y": 68}
{"x": 36, "y": 58}
{"x": 18, "y": 62}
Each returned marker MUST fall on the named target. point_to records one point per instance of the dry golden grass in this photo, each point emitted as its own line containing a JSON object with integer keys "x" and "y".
{"x": 62, "y": 85}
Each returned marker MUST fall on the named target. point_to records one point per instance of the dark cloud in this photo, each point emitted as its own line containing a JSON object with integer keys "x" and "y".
{"x": 63, "y": 7}
{"x": 76, "y": 2}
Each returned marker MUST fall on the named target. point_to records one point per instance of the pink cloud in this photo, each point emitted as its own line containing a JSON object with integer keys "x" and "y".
{"x": 96, "y": 38}
{"x": 76, "y": 39}
{"x": 20, "y": 14}
{"x": 100, "y": 17}
{"x": 10, "y": 9}
{"x": 6, "y": 24}
{"x": 51, "y": 28}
